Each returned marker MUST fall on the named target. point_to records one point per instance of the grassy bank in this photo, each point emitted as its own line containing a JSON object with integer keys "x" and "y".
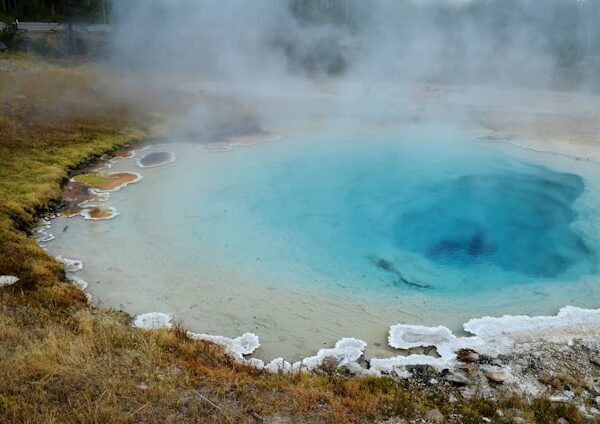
{"x": 64, "y": 361}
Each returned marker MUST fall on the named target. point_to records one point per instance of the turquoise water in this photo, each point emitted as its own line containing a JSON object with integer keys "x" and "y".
{"x": 305, "y": 240}
{"x": 386, "y": 214}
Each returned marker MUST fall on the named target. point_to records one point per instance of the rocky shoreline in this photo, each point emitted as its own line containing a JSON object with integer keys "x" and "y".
{"x": 567, "y": 373}
{"x": 543, "y": 358}
{"x": 551, "y": 374}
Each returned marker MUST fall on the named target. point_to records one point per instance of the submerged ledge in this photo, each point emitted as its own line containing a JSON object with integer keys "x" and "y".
{"x": 490, "y": 336}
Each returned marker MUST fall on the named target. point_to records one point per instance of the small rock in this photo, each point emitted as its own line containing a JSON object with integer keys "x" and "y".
{"x": 562, "y": 421}
{"x": 3, "y": 46}
{"x": 7, "y": 280}
{"x": 597, "y": 400}
{"x": 142, "y": 386}
{"x": 422, "y": 371}
{"x": 152, "y": 321}
{"x": 519, "y": 420}
{"x": 515, "y": 411}
{"x": 71, "y": 265}
{"x": 467, "y": 355}
{"x": 401, "y": 373}
{"x": 354, "y": 368}
{"x": 469, "y": 368}
{"x": 257, "y": 417}
{"x": 469, "y": 392}
{"x": 456, "y": 379}
{"x": 593, "y": 389}
{"x": 434, "y": 416}
{"x": 562, "y": 397}
{"x": 495, "y": 376}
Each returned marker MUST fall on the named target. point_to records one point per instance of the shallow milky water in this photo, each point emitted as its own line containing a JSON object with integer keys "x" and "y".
{"x": 305, "y": 240}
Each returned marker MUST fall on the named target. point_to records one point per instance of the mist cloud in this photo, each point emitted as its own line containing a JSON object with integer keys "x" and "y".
{"x": 270, "y": 48}
{"x": 392, "y": 39}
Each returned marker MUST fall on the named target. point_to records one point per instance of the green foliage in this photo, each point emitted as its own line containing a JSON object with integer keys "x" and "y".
{"x": 57, "y": 10}
{"x": 5, "y": 404}
{"x": 11, "y": 36}
{"x": 42, "y": 47}
{"x": 93, "y": 179}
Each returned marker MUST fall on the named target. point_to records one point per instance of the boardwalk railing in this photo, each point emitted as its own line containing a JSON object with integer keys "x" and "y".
{"x": 59, "y": 27}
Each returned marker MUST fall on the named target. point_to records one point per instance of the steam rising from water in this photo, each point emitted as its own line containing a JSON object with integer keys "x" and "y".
{"x": 296, "y": 54}
{"x": 399, "y": 40}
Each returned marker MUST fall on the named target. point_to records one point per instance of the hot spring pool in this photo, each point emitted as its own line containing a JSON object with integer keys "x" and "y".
{"x": 305, "y": 240}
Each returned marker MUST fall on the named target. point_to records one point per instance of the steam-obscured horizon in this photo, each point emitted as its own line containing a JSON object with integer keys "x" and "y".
{"x": 521, "y": 41}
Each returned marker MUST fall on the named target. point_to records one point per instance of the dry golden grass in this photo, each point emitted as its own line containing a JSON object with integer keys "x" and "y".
{"x": 63, "y": 361}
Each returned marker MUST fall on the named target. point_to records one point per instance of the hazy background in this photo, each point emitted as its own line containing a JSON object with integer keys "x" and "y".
{"x": 523, "y": 41}
{"x": 352, "y": 54}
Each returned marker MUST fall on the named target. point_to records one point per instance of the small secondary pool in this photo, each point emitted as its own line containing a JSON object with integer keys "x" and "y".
{"x": 308, "y": 239}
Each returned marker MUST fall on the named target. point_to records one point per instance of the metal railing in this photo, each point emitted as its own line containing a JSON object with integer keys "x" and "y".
{"x": 61, "y": 27}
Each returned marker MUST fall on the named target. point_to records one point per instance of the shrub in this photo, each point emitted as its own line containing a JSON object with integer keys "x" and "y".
{"x": 11, "y": 36}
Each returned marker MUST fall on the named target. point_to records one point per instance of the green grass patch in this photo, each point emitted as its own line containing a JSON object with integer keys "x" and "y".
{"x": 93, "y": 180}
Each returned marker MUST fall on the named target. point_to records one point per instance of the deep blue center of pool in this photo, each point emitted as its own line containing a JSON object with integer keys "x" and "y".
{"x": 519, "y": 221}
{"x": 408, "y": 214}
